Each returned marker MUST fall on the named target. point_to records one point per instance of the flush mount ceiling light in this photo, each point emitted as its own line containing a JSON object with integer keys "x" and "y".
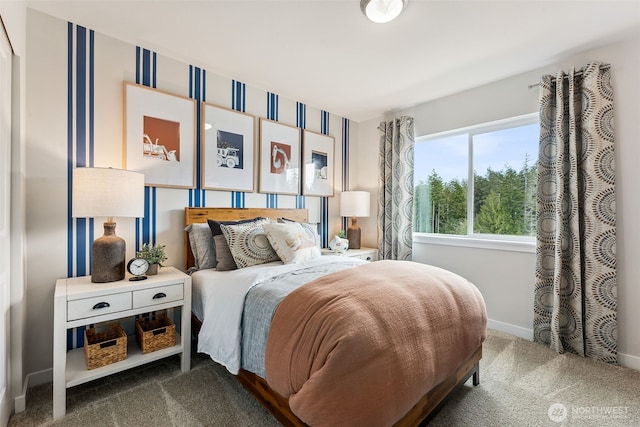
{"x": 381, "y": 11}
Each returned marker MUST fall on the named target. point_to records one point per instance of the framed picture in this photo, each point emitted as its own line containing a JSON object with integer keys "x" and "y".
{"x": 279, "y": 158}
{"x": 317, "y": 160}
{"x": 159, "y": 136}
{"x": 228, "y": 149}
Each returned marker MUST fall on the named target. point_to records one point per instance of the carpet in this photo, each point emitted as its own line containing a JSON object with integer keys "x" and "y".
{"x": 521, "y": 384}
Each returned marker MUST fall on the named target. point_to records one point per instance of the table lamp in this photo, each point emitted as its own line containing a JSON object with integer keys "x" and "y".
{"x": 354, "y": 204}
{"x": 107, "y": 192}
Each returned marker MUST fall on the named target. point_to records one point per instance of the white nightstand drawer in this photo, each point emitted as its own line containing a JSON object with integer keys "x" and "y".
{"x": 372, "y": 256}
{"x": 97, "y": 306}
{"x": 159, "y": 295}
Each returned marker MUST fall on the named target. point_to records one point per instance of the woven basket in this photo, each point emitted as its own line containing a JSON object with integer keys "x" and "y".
{"x": 155, "y": 334}
{"x": 104, "y": 348}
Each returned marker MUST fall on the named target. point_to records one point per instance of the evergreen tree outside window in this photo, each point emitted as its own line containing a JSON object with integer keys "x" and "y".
{"x": 478, "y": 181}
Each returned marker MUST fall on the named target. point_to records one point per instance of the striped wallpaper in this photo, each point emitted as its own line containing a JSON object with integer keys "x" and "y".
{"x": 148, "y": 71}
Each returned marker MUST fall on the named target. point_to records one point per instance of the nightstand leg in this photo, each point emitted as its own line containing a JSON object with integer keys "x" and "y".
{"x": 185, "y": 333}
{"x": 59, "y": 362}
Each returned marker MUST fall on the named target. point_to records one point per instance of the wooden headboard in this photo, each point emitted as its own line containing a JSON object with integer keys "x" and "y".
{"x": 200, "y": 215}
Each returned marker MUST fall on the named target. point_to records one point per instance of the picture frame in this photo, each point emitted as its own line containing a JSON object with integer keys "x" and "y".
{"x": 318, "y": 164}
{"x": 279, "y": 158}
{"x": 159, "y": 136}
{"x": 228, "y": 149}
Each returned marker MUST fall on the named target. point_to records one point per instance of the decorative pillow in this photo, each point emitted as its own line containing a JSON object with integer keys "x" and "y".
{"x": 202, "y": 248}
{"x": 249, "y": 244}
{"x": 223, "y": 259}
{"x": 310, "y": 229}
{"x": 291, "y": 242}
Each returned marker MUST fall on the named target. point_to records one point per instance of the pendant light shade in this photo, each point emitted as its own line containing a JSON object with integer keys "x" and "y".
{"x": 381, "y": 11}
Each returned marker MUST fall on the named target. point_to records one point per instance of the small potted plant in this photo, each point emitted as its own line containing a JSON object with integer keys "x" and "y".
{"x": 154, "y": 255}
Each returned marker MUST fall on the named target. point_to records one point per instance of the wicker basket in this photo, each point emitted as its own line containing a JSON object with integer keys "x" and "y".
{"x": 104, "y": 348}
{"x": 155, "y": 334}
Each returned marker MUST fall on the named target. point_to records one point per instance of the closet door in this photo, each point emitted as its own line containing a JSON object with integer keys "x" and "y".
{"x": 5, "y": 243}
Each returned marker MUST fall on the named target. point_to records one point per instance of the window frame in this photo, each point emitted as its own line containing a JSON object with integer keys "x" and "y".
{"x": 471, "y": 239}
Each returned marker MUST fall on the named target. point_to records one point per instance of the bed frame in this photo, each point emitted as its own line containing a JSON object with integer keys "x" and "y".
{"x": 421, "y": 413}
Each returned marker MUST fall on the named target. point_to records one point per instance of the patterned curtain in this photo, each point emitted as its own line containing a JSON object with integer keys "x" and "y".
{"x": 395, "y": 189}
{"x": 575, "y": 291}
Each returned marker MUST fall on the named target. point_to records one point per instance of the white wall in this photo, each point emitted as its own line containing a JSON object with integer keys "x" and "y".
{"x": 48, "y": 158}
{"x": 506, "y": 279}
{"x": 14, "y": 18}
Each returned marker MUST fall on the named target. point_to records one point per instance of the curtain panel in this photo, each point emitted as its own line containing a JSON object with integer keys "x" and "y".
{"x": 575, "y": 289}
{"x": 395, "y": 189}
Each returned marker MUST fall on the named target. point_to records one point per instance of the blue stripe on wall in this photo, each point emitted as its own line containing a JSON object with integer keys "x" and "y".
{"x": 146, "y": 67}
{"x": 272, "y": 114}
{"x": 146, "y": 74}
{"x": 301, "y": 122}
{"x": 324, "y": 201}
{"x": 345, "y": 162}
{"x": 197, "y": 89}
{"x": 80, "y": 148}
{"x": 272, "y": 106}
{"x": 238, "y": 98}
{"x": 69, "y": 148}
{"x": 91, "y": 98}
{"x": 153, "y": 70}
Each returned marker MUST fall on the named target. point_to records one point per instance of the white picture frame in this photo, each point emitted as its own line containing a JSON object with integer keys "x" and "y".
{"x": 279, "y": 158}
{"x": 228, "y": 149}
{"x": 159, "y": 136}
{"x": 318, "y": 164}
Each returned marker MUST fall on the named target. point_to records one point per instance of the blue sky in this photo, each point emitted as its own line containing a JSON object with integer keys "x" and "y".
{"x": 449, "y": 155}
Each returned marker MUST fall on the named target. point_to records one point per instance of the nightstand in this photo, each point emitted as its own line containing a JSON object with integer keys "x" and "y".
{"x": 78, "y": 302}
{"x": 367, "y": 254}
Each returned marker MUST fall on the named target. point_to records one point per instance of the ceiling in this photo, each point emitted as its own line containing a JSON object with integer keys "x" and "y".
{"x": 328, "y": 55}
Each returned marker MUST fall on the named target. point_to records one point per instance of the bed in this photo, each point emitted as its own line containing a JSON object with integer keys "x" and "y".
{"x": 320, "y": 373}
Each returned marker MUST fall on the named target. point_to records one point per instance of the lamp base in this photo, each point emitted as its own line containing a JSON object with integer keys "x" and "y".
{"x": 353, "y": 234}
{"x": 108, "y": 254}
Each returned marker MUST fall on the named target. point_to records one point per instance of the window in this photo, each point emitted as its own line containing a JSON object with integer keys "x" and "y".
{"x": 499, "y": 159}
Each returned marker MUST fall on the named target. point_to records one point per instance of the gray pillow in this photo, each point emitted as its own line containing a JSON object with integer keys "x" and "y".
{"x": 202, "y": 247}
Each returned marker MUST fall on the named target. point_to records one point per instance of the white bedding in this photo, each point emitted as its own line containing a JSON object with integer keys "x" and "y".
{"x": 218, "y": 301}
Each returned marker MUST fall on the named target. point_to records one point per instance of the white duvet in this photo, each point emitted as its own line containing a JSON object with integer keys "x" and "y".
{"x": 218, "y": 301}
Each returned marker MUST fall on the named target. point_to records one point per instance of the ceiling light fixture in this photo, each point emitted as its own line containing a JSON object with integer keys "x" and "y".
{"x": 381, "y": 11}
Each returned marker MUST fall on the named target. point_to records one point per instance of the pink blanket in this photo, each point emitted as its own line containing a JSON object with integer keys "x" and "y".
{"x": 362, "y": 346}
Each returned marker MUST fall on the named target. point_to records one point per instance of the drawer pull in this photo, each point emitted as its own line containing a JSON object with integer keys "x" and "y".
{"x": 101, "y": 305}
{"x": 160, "y": 295}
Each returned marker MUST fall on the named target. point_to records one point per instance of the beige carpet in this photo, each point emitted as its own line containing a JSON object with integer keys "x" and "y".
{"x": 521, "y": 384}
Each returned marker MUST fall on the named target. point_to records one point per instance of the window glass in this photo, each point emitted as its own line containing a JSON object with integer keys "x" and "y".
{"x": 502, "y": 168}
{"x": 441, "y": 170}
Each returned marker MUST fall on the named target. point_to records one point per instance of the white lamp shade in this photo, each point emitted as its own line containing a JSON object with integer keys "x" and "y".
{"x": 107, "y": 192}
{"x": 382, "y": 11}
{"x": 354, "y": 203}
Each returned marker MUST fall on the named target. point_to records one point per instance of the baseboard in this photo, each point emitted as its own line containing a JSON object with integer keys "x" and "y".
{"x": 31, "y": 380}
{"x": 629, "y": 361}
{"x": 20, "y": 402}
{"x": 40, "y": 377}
{"x": 626, "y": 360}
{"x": 518, "y": 331}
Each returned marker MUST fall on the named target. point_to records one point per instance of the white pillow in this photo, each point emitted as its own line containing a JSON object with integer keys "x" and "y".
{"x": 292, "y": 242}
{"x": 248, "y": 243}
{"x": 310, "y": 229}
